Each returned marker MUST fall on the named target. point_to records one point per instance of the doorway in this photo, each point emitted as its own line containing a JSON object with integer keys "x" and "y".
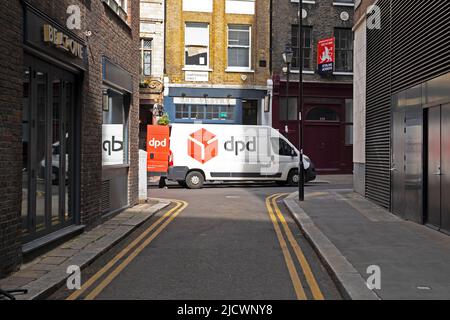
{"x": 323, "y": 142}
{"x": 438, "y": 168}
{"x": 250, "y": 112}
{"x": 47, "y": 148}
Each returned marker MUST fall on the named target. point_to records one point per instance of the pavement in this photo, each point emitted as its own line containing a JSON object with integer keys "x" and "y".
{"x": 353, "y": 236}
{"x": 45, "y": 274}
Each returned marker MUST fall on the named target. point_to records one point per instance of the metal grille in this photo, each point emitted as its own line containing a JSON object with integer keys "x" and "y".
{"x": 106, "y": 191}
{"x": 378, "y": 185}
{"x": 421, "y": 41}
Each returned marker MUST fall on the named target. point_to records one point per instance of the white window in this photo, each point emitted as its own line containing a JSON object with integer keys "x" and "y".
{"x": 239, "y": 47}
{"x": 198, "y": 5}
{"x": 240, "y": 6}
{"x": 196, "y": 45}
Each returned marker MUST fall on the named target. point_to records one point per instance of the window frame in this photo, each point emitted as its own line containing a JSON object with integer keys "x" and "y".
{"x": 143, "y": 51}
{"x": 295, "y": 48}
{"x": 194, "y": 67}
{"x": 204, "y": 110}
{"x": 348, "y": 50}
{"x": 234, "y": 68}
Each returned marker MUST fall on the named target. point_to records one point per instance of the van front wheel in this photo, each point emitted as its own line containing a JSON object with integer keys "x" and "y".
{"x": 293, "y": 178}
{"x": 195, "y": 180}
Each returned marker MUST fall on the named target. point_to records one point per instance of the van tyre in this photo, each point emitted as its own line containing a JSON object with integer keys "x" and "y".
{"x": 195, "y": 180}
{"x": 293, "y": 178}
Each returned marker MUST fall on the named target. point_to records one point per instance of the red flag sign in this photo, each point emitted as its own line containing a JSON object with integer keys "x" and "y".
{"x": 325, "y": 55}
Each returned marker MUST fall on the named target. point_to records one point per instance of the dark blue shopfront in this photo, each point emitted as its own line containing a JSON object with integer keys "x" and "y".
{"x": 216, "y": 106}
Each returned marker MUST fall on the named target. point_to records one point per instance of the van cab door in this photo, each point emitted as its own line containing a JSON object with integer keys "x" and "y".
{"x": 158, "y": 149}
{"x": 284, "y": 155}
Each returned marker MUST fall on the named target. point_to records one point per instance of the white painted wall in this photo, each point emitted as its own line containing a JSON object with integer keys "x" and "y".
{"x": 152, "y": 26}
{"x": 198, "y": 5}
{"x": 359, "y": 94}
{"x": 240, "y": 6}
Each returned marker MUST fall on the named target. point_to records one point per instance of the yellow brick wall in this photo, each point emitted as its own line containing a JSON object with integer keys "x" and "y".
{"x": 218, "y": 21}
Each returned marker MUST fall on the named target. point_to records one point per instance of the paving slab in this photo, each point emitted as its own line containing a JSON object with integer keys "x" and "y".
{"x": 351, "y": 234}
{"x": 46, "y": 273}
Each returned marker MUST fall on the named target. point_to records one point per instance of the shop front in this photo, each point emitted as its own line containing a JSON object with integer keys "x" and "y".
{"x": 327, "y": 123}
{"x": 117, "y": 95}
{"x": 54, "y": 63}
{"x": 217, "y": 106}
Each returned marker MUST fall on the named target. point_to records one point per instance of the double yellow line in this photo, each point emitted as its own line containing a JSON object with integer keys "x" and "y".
{"x": 276, "y": 216}
{"x": 128, "y": 254}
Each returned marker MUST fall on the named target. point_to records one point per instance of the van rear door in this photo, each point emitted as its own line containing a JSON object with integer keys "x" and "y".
{"x": 158, "y": 149}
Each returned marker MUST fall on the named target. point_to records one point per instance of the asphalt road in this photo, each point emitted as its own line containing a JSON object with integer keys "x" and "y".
{"x": 221, "y": 242}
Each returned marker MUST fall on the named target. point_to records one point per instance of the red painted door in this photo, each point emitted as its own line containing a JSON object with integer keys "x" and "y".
{"x": 322, "y": 138}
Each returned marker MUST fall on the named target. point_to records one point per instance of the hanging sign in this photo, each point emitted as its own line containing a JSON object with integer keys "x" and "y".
{"x": 325, "y": 55}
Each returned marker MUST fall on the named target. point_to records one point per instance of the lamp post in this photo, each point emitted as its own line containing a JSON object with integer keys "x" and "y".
{"x": 288, "y": 54}
{"x": 301, "y": 169}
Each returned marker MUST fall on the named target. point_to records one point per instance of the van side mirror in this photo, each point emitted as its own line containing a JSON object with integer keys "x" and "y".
{"x": 293, "y": 153}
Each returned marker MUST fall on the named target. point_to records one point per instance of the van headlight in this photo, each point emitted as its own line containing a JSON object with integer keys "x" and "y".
{"x": 307, "y": 158}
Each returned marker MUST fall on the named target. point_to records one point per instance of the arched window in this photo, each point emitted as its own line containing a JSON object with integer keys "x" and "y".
{"x": 322, "y": 114}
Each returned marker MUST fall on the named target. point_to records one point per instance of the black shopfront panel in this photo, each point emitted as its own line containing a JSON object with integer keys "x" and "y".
{"x": 49, "y": 148}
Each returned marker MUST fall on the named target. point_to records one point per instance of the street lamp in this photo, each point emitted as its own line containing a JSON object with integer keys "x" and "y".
{"x": 288, "y": 54}
{"x": 301, "y": 169}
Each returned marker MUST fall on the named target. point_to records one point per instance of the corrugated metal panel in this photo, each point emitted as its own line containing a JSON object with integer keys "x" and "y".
{"x": 411, "y": 48}
{"x": 421, "y": 41}
{"x": 378, "y": 117}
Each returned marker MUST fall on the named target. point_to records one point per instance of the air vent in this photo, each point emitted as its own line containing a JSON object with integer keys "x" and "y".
{"x": 106, "y": 191}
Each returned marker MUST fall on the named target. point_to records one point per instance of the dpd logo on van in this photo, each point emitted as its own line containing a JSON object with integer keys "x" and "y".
{"x": 203, "y": 146}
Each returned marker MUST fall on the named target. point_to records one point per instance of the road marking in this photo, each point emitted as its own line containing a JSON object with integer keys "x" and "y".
{"x": 122, "y": 253}
{"x": 134, "y": 254}
{"x": 310, "y": 279}
{"x": 300, "y": 292}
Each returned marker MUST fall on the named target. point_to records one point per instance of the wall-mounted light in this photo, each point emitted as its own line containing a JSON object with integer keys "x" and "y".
{"x": 105, "y": 100}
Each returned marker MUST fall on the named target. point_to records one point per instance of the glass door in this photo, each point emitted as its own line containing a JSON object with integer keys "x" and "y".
{"x": 48, "y": 108}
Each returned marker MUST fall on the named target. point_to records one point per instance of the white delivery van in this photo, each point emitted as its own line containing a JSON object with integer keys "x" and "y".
{"x": 233, "y": 153}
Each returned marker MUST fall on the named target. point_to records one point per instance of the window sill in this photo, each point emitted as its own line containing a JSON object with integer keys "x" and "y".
{"x": 343, "y": 4}
{"x": 304, "y": 72}
{"x": 118, "y": 11}
{"x": 337, "y": 73}
{"x": 240, "y": 70}
{"x": 304, "y": 1}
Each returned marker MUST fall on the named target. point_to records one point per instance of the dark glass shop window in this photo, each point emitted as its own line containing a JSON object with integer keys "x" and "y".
{"x": 115, "y": 129}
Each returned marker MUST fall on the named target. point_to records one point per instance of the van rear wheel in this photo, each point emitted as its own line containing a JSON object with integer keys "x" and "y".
{"x": 195, "y": 180}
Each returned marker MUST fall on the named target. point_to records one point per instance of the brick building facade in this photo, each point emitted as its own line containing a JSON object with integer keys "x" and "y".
{"x": 328, "y": 97}
{"x": 152, "y": 43}
{"x": 217, "y": 61}
{"x": 64, "y": 96}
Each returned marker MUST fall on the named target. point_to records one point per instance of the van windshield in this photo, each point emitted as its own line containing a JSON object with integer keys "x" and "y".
{"x": 282, "y": 148}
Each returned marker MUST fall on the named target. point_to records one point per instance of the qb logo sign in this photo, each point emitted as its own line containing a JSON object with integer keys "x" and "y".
{"x": 112, "y": 144}
{"x": 203, "y": 146}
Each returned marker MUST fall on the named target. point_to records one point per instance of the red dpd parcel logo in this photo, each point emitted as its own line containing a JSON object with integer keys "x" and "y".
{"x": 203, "y": 146}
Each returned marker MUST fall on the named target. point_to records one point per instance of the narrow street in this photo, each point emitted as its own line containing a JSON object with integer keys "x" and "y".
{"x": 223, "y": 242}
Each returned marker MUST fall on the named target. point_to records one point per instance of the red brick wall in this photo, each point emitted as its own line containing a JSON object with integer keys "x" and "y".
{"x": 111, "y": 37}
{"x": 11, "y": 57}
